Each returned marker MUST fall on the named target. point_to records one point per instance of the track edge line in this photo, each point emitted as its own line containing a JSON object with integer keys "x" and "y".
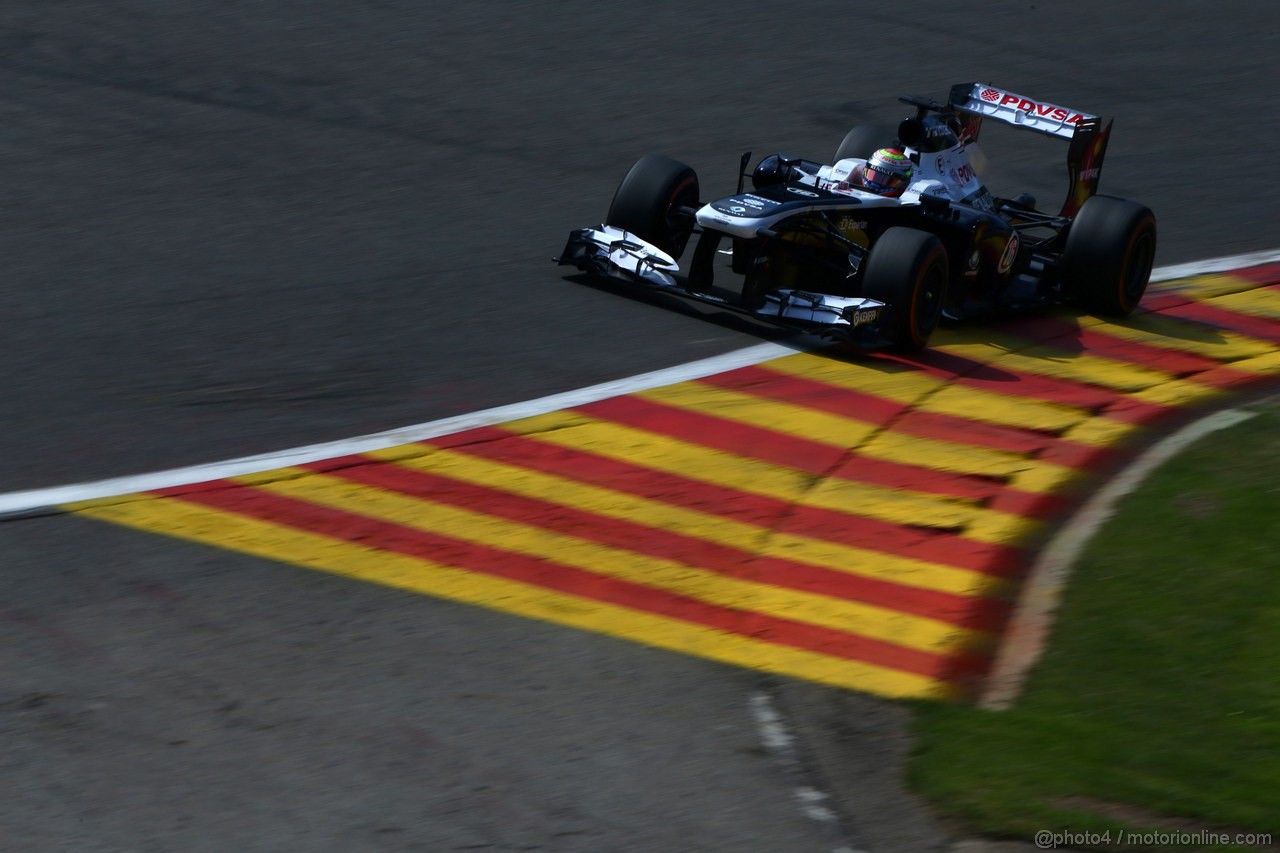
{"x": 1031, "y": 622}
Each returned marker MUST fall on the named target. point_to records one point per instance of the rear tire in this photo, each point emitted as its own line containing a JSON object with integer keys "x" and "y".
{"x": 907, "y": 269}
{"x": 1109, "y": 254}
{"x": 646, "y": 201}
{"x": 862, "y": 142}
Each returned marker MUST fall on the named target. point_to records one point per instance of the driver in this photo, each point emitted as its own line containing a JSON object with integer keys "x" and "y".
{"x": 887, "y": 172}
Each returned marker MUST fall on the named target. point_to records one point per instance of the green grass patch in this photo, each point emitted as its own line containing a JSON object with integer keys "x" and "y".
{"x": 1157, "y": 704}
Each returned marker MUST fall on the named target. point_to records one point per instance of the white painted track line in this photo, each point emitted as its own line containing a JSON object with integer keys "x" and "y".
{"x": 1231, "y": 262}
{"x": 40, "y": 501}
{"x": 1027, "y": 635}
{"x": 37, "y": 501}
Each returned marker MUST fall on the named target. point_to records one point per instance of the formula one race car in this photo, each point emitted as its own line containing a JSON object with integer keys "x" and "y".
{"x": 820, "y": 249}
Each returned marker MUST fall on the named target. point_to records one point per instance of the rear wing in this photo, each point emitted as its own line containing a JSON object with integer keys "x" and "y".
{"x": 976, "y": 101}
{"x": 1001, "y": 105}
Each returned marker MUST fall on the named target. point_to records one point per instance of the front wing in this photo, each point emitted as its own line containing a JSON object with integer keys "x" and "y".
{"x": 613, "y": 253}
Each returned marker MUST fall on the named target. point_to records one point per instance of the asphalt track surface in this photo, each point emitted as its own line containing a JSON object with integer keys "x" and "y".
{"x": 235, "y": 227}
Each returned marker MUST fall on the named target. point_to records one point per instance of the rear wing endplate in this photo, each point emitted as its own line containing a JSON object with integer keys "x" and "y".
{"x": 1087, "y": 135}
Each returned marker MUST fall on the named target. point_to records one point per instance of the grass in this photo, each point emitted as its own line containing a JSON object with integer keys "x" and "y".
{"x": 1157, "y": 704}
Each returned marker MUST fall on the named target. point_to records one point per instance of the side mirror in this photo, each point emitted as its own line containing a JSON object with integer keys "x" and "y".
{"x": 911, "y": 132}
{"x": 772, "y": 170}
{"x": 935, "y": 204}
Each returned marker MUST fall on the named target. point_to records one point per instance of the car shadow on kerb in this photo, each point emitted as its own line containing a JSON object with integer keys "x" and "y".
{"x": 1051, "y": 333}
{"x": 1060, "y": 334}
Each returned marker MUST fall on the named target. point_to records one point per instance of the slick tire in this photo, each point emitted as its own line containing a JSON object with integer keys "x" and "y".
{"x": 649, "y": 199}
{"x": 863, "y": 141}
{"x": 908, "y": 270}
{"x": 1107, "y": 261}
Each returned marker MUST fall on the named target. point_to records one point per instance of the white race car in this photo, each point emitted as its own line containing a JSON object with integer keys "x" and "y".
{"x": 819, "y": 252}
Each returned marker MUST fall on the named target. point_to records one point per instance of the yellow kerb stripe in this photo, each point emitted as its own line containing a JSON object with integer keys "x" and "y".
{"x": 1178, "y": 392}
{"x": 1267, "y": 365}
{"x": 1041, "y": 360}
{"x": 1019, "y": 471}
{"x": 174, "y": 517}
{"x": 1210, "y": 286}
{"x": 1102, "y": 432}
{"x": 1183, "y": 335}
{"x": 803, "y": 422}
{"x": 1261, "y": 302}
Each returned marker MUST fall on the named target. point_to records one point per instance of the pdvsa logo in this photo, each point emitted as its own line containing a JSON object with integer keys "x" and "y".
{"x": 1032, "y": 108}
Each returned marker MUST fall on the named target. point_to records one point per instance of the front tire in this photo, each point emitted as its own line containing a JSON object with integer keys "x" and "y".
{"x": 1110, "y": 250}
{"x": 908, "y": 270}
{"x": 648, "y": 200}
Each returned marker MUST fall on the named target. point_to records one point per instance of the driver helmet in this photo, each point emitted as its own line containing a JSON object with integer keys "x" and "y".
{"x": 888, "y": 172}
